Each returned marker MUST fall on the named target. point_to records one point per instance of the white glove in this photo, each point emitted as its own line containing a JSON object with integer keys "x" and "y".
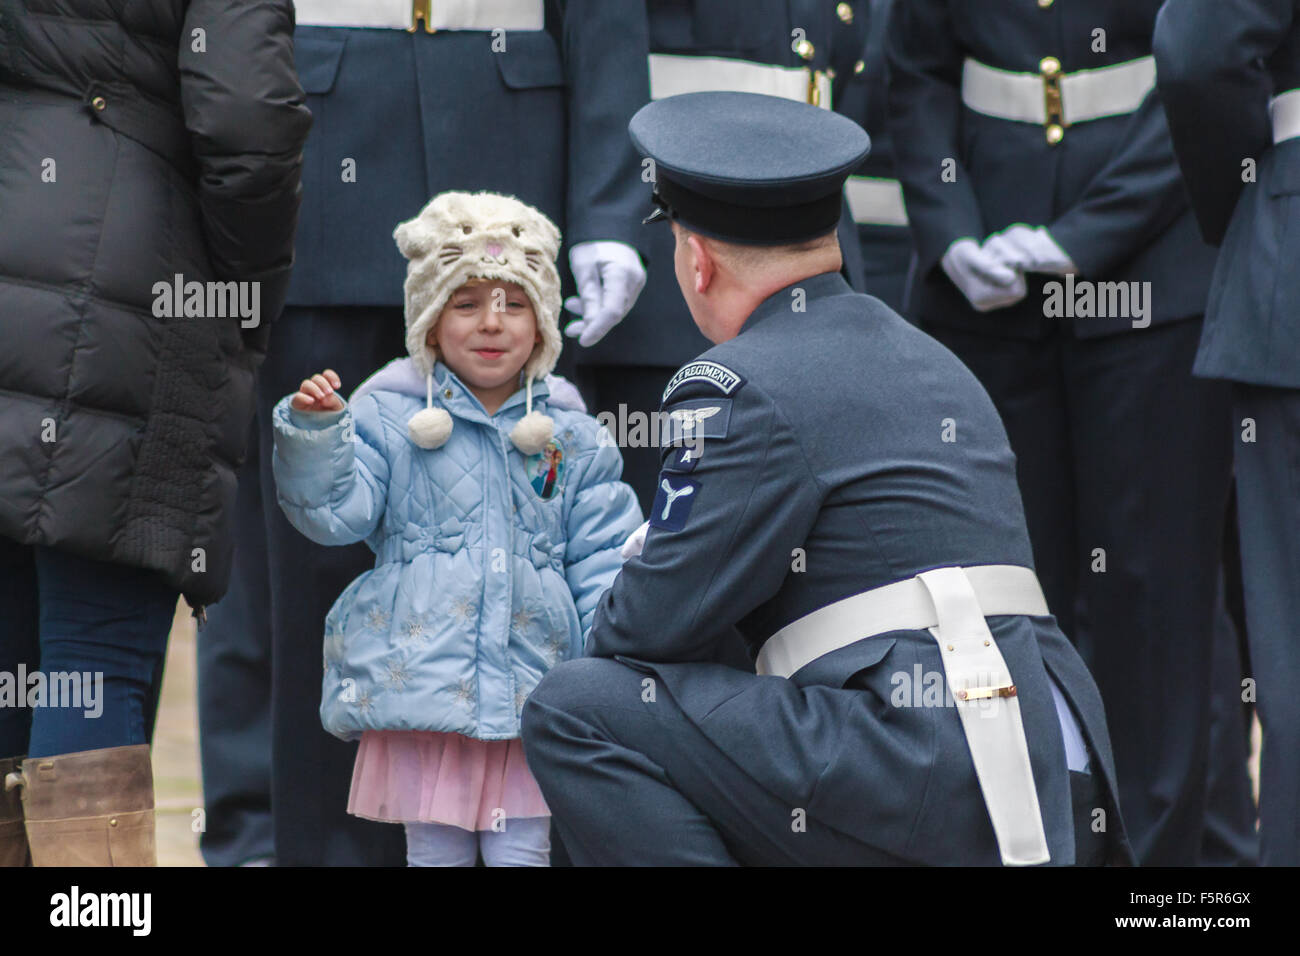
{"x": 983, "y": 280}
{"x": 610, "y": 276}
{"x": 635, "y": 542}
{"x": 1029, "y": 249}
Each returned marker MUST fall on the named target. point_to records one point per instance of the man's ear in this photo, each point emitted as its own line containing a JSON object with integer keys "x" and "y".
{"x": 703, "y": 263}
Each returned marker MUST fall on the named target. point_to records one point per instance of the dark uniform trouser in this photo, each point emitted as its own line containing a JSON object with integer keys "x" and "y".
{"x": 311, "y": 770}
{"x": 1268, "y": 500}
{"x": 1118, "y": 448}
{"x": 636, "y": 783}
{"x": 1230, "y": 837}
{"x": 234, "y": 683}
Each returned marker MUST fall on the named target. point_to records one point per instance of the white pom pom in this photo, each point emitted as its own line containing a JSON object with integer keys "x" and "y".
{"x": 430, "y": 427}
{"x": 532, "y": 432}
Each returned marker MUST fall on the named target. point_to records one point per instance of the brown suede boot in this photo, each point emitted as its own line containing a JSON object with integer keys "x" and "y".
{"x": 13, "y": 835}
{"x": 93, "y": 808}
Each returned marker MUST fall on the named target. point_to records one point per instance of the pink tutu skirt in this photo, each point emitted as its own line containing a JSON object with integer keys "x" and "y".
{"x": 415, "y": 776}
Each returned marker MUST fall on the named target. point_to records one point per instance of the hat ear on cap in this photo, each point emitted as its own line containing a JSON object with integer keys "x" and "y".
{"x": 545, "y": 230}
{"x": 414, "y": 238}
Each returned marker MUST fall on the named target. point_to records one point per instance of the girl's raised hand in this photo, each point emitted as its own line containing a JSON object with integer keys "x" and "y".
{"x": 316, "y": 394}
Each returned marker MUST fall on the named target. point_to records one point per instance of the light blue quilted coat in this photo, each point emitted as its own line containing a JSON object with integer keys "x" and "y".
{"x": 481, "y": 584}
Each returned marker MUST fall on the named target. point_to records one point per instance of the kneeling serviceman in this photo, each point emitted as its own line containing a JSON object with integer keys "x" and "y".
{"x": 838, "y": 487}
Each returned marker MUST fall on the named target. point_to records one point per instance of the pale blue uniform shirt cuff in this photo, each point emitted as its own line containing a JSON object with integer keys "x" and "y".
{"x": 1076, "y": 751}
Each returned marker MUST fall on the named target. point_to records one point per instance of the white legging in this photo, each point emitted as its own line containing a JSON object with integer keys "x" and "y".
{"x": 523, "y": 842}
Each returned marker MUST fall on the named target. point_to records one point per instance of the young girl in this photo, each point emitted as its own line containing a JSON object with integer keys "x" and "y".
{"x": 496, "y": 517}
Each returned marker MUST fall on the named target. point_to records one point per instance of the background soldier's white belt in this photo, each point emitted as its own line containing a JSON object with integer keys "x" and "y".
{"x": 1285, "y": 111}
{"x": 1084, "y": 94}
{"x": 437, "y": 14}
{"x": 876, "y": 202}
{"x": 951, "y": 603}
{"x": 671, "y": 74}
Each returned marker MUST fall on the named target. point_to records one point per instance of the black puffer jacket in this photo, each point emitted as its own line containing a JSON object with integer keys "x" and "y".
{"x": 140, "y": 140}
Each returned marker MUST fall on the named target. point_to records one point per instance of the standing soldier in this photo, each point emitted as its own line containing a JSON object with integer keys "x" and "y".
{"x": 801, "y": 50}
{"x": 874, "y": 193}
{"x": 399, "y": 89}
{"x": 846, "y": 497}
{"x": 1230, "y": 77}
{"x": 1058, "y": 257}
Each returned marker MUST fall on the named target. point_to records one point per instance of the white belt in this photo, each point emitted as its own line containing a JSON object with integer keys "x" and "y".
{"x": 876, "y": 202}
{"x": 951, "y": 603}
{"x": 437, "y": 14}
{"x": 671, "y": 74}
{"x": 1285, "y": 111}
{"x": 1055, "y": 99}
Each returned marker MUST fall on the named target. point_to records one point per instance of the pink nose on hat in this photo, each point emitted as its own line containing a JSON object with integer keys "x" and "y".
{"x": 494, "y": 249}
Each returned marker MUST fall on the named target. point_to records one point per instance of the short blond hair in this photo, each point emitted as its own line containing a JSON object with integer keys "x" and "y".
{"x": 744, "y": 258}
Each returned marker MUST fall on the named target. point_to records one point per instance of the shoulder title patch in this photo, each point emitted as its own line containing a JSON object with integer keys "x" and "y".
{"x": 719, "y": 376}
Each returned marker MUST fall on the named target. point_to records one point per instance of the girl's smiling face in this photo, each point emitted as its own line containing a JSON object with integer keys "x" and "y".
{"x": 485, "y": 334}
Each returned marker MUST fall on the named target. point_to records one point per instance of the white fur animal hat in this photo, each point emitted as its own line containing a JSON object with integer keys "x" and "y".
{"x": 460, "y": 236}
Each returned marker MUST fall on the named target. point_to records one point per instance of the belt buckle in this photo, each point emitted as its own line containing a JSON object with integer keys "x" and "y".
{"x": 1049, "y": 68}
{"x": 814, "y": 90}
{"x": 986, "y": 693}
{"x": 420, "y": 9}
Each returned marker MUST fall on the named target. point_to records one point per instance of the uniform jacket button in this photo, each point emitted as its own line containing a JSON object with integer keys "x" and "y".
{"x": 446, "y": 393}
{"x": 845, "y": 12}
{"x": 859, "y": 66}
{"x": 1044, "y": 4}
{"x": 99, "y": 104}
{"x": 805, "y": 49}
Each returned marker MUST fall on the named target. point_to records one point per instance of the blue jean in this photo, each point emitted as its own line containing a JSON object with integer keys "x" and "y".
{"x": 62, "y": 614}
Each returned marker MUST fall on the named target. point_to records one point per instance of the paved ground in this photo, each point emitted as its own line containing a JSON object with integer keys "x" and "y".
{"x": 178, "y": 790}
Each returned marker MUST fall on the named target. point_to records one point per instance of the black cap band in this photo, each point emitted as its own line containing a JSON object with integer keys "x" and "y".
{"x": 757, "y": 225}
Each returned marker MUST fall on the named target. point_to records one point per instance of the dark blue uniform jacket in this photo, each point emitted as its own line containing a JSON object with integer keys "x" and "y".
{"x": 1110, "y": 193}
{"x": 1219, "y": 62}
{"x": 825, "y": 472}
{"x": 544, "y": 119}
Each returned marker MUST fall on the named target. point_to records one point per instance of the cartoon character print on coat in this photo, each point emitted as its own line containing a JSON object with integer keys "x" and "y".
{"x": 546, "y": 470}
